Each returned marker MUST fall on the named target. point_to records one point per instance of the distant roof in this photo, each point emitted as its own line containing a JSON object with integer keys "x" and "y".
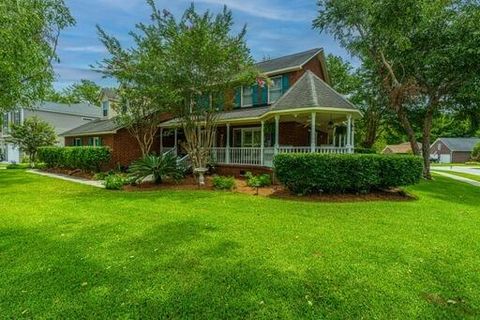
{"x": 96, "y": 126}
{"x": 400, "y": 148}
{"x": 312, "y": 92}
{"x": 80, "y": 109}
{"x": 460, "y": 144}
{"x": 110, "y": 93}
{"x": 287, "y": 62}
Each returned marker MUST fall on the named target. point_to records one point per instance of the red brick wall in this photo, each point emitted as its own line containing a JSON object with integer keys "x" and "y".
{"x": 238, "y": 170}
{"x": 461, "y": 157}
{"x": 313, "y": 65}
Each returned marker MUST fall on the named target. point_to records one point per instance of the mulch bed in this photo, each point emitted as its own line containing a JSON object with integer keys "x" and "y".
{"x": 274, "y": 191}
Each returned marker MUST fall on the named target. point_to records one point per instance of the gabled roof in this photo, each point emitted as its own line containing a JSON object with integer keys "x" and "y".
{"x": 94, "y": 127}
{"x": 79, "y": 109}
{"x": 293, "y": 61}
{"x": 311, "y": 92}
{"x": 400, "y": 148}
{"x": 460, "y": 144}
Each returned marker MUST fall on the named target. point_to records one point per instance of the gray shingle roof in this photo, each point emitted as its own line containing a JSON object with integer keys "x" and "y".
{"x": 97, "y": 126}
{"x": 80, "y": 109}
{"x": 460, "y": 144}
{"x": 309, "y": 92}
{"x": 290, "y": 61}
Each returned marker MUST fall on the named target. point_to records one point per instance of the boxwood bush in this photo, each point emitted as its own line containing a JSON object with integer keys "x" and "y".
{"x": 353, "y": 173}
{"x": 84, "y": 158}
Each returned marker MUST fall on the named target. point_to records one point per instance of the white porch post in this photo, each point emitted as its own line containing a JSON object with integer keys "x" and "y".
{"x": 262, "y": 142}
{"x": 227, "y": 146}
{"x": 161, "y": 140}
{"x": 176, "y": 141}
{"x": 353, "y": 134}
{"x": 277, "y": 129}
{"x": 349, "y": 133}
{"x": 313, "y": 133}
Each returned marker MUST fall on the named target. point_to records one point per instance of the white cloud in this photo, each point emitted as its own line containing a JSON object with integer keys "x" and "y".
{"x": 262, "y": 9}
{"x": 93, "y": 49}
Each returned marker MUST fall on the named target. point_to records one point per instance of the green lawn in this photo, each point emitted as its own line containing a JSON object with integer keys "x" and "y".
{"x": 465, "y": 175}
{"x": 73, "y": 251}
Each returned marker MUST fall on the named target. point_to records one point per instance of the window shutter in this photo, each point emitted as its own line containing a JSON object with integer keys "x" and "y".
{"x": 255, "y": 95}
{"x": 90, "y": 141}
{"x": 285, "y": 83}
{"x": 264, "y": 95}
{"x": 238, "y": 97}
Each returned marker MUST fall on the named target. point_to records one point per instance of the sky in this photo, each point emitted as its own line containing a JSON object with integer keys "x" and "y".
{"x": 274, "y": 28}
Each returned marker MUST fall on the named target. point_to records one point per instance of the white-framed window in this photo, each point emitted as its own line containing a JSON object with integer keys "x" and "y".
{"x": 77, "y": 142}
{"x": 5, "y": 123}
{"x": 97, "y": 142}
{"x": 247, "y": 96}
{"x": 275, "y": 89}
{"x": 105, "y": 107}
{"x": 247, "y": 137}
{"x": 17, "y": 117}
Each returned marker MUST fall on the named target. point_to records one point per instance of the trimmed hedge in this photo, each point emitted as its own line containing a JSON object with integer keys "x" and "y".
{"x": 84, "y": 158}
{"x": 335, "y": 173}
{"x": 365, "y": 150}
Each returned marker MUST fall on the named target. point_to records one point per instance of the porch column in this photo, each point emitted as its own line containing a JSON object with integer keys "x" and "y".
{"x": 175, "y": 142}
{"x": 262, "y": 142}
{"x": 277, "y": 129}
{"x": 227, "y": 146}
{"x": 313, "y": 134}
{"x": 349, "y": 132}
{"x": 353, "y": 134}
{"x": 161, "y": 140}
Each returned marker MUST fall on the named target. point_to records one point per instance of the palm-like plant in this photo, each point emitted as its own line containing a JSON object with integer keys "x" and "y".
{"x": 160, "y": 167}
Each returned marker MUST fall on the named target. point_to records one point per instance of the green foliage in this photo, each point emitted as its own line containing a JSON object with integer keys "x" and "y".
{"x": 223, "y": 183}
{"x": 259, "y": 181}
{"x": 29, "y": 31}
{"x": 17, "y": 166}
{"x": 114, "y": 182}
{"x": 365, "y": 150}
{"x": 476, "y": 152}
{"x": 84, "y": 158}
{"x": 159, "y": 167}
{"x": 316, "y": 173}
{"x": 84, "y": 91}
{"x": 32, "y": 135}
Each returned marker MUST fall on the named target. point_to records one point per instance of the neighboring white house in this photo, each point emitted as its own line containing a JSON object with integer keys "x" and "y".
{"x": 62, "y": 117}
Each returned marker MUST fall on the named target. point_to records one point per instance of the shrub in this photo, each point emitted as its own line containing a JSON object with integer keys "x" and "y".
{"x": 15, "y": 165}
{"x": 223, "y": 183}
{"x": 84, "y": 158}
{"x": 259, "y": 181}
{"x": 476, "y": 152}
{"x": 159, "y": 167}
{"x": 114, "y": 182}
{"x": 361, "y": 150}
{"x": 330, "y": 173}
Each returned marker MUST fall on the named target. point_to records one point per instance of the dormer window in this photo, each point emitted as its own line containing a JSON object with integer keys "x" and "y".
{"x": 247, "y": 96}
{"x": 275, "y": 89}
{"x": 105, "y": 107}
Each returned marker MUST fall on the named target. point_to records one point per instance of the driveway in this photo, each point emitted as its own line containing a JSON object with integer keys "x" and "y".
{"x": 470, "y": 170}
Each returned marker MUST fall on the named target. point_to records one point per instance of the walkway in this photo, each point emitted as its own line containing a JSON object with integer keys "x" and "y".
{"x": 458, "y": 178}
{"x": 92, "y": 183}
{"x": 470, "y": 170}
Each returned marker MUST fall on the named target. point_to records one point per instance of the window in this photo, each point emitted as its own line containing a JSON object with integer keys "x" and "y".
{"x": 97, "y": 141}
{"x": 5, "y": 122}
{"x": 247, "y": 96}
{"x": 275, "y": 89}
{"x": 247, "y": 137}
{"x": 105, "y": 106}
{"x": 77, "y": 142}
{"x": 17, "y": 117}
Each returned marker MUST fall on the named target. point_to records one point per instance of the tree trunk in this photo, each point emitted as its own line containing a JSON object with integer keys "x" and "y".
{"x": 427, "y": 132}
{"x": 409, "y": 130}
{"x": 371, "y": 129}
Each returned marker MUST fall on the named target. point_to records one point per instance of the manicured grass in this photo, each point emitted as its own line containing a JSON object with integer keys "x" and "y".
{"x": 72, "y": 251}
{"x": 466, "y": 175}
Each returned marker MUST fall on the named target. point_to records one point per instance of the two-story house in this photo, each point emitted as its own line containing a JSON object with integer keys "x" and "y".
{"x": 297, "y": 112}
{"x": 61, "y": 117}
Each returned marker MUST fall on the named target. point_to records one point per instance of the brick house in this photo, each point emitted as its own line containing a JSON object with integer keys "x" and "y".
{"x": 298, "y": 112}
{"x": 106, "y": 132}
{"x": 453, "y": 150}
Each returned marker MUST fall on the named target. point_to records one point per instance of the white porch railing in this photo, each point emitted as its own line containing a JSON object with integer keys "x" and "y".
{"x": 254, "y": 157}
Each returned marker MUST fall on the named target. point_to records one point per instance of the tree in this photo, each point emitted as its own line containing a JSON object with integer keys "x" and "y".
{"x": 29, "y": 31}
{"x": 85, "y": 91}
{"x": 423, "y": 51}
{"x": 31, "y": 135}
